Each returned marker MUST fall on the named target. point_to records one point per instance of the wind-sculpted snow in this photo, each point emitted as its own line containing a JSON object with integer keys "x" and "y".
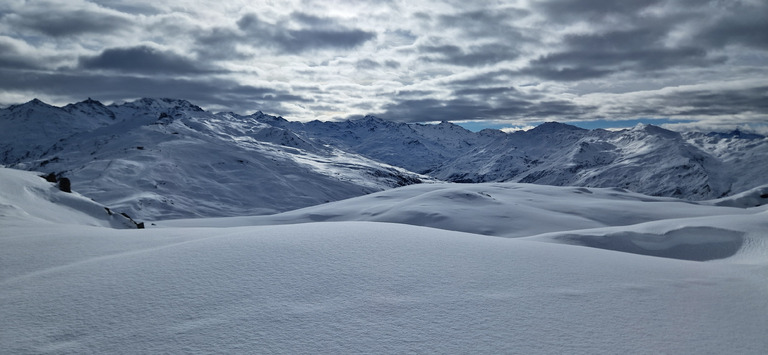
{"x": 755, "y": 197}
{"x": 688, "y": 243}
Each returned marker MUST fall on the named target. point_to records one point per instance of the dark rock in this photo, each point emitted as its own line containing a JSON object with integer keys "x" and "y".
{"x": 50, "y": 177}
{"x": 65, "y": 185}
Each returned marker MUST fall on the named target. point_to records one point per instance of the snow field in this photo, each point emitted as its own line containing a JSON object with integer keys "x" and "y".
{"x": 325, "y": 280}
{"x": 367, "y": 287}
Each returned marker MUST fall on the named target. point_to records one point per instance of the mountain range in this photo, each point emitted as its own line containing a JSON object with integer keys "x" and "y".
{"x": 168, "y": 158}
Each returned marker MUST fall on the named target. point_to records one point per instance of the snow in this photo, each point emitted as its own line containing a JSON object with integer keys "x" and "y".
{"x": 72, "y": 285}
{"x": 27, "y": 198}
{"x": 498, "y": 209}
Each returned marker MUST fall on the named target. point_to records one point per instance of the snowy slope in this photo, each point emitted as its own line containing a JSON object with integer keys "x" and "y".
{"x": 162, "y": 158}
{"x": 371, "y": 287}
{"x": 26, "y": 198}
{"x": 416, "y": 147}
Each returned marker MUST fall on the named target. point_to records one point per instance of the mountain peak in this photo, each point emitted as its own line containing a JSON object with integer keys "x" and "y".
{"x": 551, "y": 127}
{"x": 31, "y": 104}
{"x": 263, "y": 117}
{"x": 370, "y": 118}
{"x": 91, "y": 101}
{"x": 655, "y": 130}
{"x": 90, "y": 107}
{"x": 164, "y": 103}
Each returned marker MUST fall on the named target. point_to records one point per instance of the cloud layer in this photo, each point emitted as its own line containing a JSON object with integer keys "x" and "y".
{"x": 510, "y": 62}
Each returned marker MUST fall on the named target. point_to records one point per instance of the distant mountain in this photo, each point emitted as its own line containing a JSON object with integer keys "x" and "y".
{"x": 646, "y": 159}
{"x": 164, "y": 158}
{"x": 167, "y": 158}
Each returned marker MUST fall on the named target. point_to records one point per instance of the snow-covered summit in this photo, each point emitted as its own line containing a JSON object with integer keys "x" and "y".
{"x": 159, "y": 104}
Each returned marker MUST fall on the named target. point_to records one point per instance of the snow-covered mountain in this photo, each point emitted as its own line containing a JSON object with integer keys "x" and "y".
{"x": 646, "y": 159}
{"x": 165, "y": 158}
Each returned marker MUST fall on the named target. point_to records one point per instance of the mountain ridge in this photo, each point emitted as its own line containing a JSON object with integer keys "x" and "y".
{"x": 168, "y": 158}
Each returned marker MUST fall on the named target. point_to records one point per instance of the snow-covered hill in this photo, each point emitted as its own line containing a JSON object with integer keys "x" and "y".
{"x": 165, "y": 158}
{"x": 27, "y": 199}
{"x": 354, "y": 286}
{"x": 498, "y": 209}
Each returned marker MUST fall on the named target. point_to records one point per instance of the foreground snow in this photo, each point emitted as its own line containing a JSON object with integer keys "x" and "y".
{"x": 72, "y": 286}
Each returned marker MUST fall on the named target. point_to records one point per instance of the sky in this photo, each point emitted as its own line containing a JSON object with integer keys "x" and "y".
{"x": 500, "y": 64}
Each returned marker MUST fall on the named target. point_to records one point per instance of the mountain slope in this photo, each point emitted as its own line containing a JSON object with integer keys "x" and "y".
{"x": 165, "y": 158}
{"x": 645, "y": 159}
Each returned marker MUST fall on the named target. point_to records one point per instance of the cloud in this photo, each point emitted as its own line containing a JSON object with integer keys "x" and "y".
{"x": 12, "y": 56}
{"x": 141, "y": 59}
{"x": 590, "y": 11}
{"x": 474, "y": 55}
{"x": 744, "y": 25}
{"x": 728, "y": 102}
{"x": 486, "y": 23}
{"x": 492, "y": 103}
{"x": 753, "y": 100}
{"x": 65, "y": 20}
{"x": 601, "y": 54}
{"x": 321, "y": 32}
{"x": 295, "y": 34}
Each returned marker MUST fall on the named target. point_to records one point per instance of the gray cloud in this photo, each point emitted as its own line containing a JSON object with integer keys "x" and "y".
{"x": 494, "y": 23}
{"x": 11, "y": 57}
{"x": 745, "y": 25}
{"x": 63, "y": 22}
{"x": 478, "y": 55}
{"x": 727, "y": 102}
{"x": 589, "y": 11}
{"x": 322, "y": 33}
{"x": 488, "y": 103}
{"x": 318, "y": 33}
{"x": 598, "y": 55}
{"x": 141, "y": 59}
